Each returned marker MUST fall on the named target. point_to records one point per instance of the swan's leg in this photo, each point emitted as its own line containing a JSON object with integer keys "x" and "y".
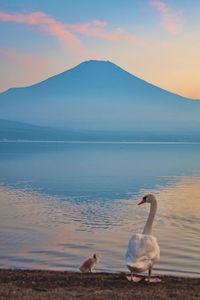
{"x": 152, "y": 279}
{"x": 149, "y": 274}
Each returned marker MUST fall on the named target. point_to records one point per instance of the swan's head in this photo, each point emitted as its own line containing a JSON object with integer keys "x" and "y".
{"x": 96, "y": 257}
{"x": 149, "y": 198}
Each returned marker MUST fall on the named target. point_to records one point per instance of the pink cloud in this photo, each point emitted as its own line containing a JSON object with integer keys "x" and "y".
{"x": 96, "y": 28}
{"x": 47, "y": 24}
{"x": 67, "y": 33}
{"x": 26, "y": 59}
{"x": 169, "y": 19}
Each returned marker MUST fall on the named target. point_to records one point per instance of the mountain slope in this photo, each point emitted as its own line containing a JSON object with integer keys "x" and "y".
{"x": 98, "y": 95}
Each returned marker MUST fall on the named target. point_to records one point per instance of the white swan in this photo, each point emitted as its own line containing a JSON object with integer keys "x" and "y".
{"x": 143, "y": 250}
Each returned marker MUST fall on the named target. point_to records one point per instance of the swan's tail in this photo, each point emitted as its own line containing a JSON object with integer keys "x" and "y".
{"x": 140, "y": 265}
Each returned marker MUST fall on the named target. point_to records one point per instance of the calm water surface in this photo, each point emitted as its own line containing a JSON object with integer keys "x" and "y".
{"x": 61, "y": 202}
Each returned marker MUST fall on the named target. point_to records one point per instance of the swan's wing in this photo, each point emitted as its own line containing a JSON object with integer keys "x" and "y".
{"x": 134, "y": 248}
{"x": 143, "y": 250}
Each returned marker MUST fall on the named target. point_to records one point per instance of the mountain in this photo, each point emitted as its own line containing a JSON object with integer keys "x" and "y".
{"x": 99, "y": 96}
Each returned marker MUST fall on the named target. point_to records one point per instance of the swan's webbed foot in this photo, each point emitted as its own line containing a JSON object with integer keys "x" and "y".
{"x": 136, "y": 279}
{"x": 153, "y": 280}
{"x": 133, "y": 278}
{"x": 129, "y": 278}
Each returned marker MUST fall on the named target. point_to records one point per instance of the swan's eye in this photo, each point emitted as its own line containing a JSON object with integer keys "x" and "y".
{"x": 145, "y": 198}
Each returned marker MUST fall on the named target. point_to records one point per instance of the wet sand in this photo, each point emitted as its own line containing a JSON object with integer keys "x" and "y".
{"x": 29, "y": 284}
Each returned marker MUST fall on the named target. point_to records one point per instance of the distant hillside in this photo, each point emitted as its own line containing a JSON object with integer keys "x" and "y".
{"x": 11, "y": 130}
{"x": 99, "y": 96}
{"x": 16, "y": 131}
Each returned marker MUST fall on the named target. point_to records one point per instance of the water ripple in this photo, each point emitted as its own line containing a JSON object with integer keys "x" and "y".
{"x": 39, "y": 231}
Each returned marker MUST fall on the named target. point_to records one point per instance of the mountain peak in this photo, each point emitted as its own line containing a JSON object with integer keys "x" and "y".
{"x": 97, "y": 61}
{"x": 94, "y": 71}
{"x": 98, "y": 65}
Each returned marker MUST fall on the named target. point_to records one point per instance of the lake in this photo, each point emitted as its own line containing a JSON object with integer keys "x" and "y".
{"x": 62, "y": 202}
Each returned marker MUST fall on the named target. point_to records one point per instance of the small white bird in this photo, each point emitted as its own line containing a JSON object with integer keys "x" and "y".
{"x": 89, "y": 264}
{"x": 143, "y": 250}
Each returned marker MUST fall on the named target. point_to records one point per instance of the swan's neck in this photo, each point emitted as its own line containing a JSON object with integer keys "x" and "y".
{"x": 149, "y": 223}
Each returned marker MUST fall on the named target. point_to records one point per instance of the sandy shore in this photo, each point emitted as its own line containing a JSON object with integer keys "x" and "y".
{"x": 20, "y": 284}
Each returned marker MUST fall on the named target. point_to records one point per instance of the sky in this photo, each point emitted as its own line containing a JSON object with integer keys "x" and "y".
{"x": 156, "y": 40}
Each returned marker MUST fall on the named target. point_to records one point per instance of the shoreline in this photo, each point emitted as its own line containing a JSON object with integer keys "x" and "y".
{"x": 43, "y": 285}
{"x": 169, "y": 142}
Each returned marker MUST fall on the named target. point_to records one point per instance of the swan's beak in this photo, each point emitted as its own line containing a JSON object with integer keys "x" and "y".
{"x": 141, "y": 202}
